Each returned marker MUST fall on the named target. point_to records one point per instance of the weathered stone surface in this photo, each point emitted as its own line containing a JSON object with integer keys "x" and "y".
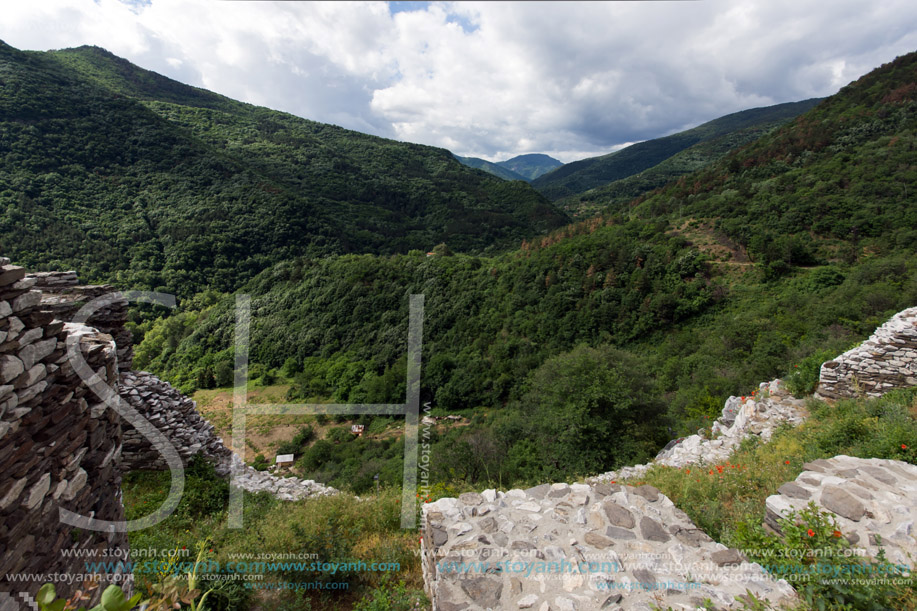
{"x": 617, "y": 515}
{"x": 37, "y": 492}
{"x": 794, "y": 491}
{"x": 653, "y": 530}
{"x": 586, "y": 557}
{"x": 484, "y": 591}
{"x": 887, "y": 360}
{"x": 727, "y": 557}
{"x": 842, "y": 503}
{"x": 839, "y": 485}
{"x": 10, "y": 368}
{"x": 596, "y": 540}
{"x": 742, "y": 417}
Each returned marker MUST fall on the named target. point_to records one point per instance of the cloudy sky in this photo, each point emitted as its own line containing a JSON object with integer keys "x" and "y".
{"x": 491, "y": 79}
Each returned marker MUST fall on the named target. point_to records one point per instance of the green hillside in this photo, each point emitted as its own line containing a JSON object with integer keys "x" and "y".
{"x": 124, "y": 174}
{"x": 734, "y": 129}
{"x": 530, "y": 166}
{"x": 489, "y": 167}
{"x": 612, "y": 196}
{"x": 644, "y": 321}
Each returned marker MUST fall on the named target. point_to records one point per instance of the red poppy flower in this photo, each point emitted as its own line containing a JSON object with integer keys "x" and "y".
{"x": 811, "y": 532}
{"x": 786, "y": 462}
{"x": 837, "y": 533}
{"x": 903, "y": 446}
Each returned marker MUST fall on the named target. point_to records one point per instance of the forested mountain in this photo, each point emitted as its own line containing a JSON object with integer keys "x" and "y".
{"x": 614, "y": 195}
{"x": 122, "y": 173}
{"x": 490, "y": 168}
{"x": 642, "y": 320}
{"x": 530, "y": 166}
{"x": 731, "y": 130}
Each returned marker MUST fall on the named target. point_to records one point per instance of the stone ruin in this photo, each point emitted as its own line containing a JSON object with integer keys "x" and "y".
{"x": 742, "y": 417}
{"x": 59, "y": 444}
{"x": 61, "y": 448}
{"x": 580, "y": 547}
{"x": 614, "y": 546}
{"x": 873, "y": 501}
{"x": 887, "y": 360}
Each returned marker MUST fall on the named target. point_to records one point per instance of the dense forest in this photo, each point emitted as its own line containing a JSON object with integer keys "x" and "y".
{"x": 124, "y": 174}
{"x": 642, "y": 320}
{"x": 721, "y": 135}
{"x": 570, "y": 348}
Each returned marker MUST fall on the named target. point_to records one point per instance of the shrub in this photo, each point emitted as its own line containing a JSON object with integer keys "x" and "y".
{"x": 804, "y": 378}
{"x": 295, "y": 446}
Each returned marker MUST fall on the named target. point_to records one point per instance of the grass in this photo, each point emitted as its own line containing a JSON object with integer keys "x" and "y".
{"x": 727, "y": 500}
{"x": 335, "y": 529}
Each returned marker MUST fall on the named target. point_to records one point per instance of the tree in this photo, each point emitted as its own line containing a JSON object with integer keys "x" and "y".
{"x": 591, "y": 410}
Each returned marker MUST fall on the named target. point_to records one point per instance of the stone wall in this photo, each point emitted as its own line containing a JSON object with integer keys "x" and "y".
{"x": 580, "y": 547}
{"x": 62, "y": 296}
{"x": 872, "y": 500}
{"x": 59, "y": 444}
{"x": 176, "y": 416}
{"x": 887, "y": 360}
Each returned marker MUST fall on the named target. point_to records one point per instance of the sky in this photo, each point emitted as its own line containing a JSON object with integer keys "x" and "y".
{"x": 491, "y": 79}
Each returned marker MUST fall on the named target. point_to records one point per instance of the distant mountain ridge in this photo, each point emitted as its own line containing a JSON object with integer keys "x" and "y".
{"x": 521, "y": 167}
{"x": 585, "y": 174}
{"x": 531, "y": 166}
{"x": 118, "y": 171}
{"x": 490, "y": 167}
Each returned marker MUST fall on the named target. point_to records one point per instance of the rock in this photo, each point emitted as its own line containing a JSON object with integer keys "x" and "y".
{"x": 483, "y": 591}
{"x": 727, "y": 557}
{"x": 13, "y": 493}
{"x": 596, "y": 540}
{"x": 10, "y": 368}
{"x": 648, "y": 492}
{"x": 37, "y": 492}
{"x": 842, "y": 503}
{"x": 617, "y": 515}
{"x": 794, "y": 491}
{"x": 652, "y": 530}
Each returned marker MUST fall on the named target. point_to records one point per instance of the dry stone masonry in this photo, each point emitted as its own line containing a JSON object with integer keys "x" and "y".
{"x": 283, "y": 488}
{"x": 580, "y": 547}
{"x": 61, "y": 447}
{"x": 62, "y": 296}
{"x": 872, "y": 499}
{"x": 887, "y": 360}
{"x": 176, "y": 416}
{"x": 59, "y": 444}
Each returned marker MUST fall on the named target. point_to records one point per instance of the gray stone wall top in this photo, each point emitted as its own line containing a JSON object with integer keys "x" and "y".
{"x": 872, "y": 499}
{"x": 884, "y": 362}
{"x": 578, "y": 547}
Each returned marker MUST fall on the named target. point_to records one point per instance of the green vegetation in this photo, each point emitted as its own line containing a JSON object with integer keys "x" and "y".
{"x": 339, "y": 529}
{"x": 639, "y": 160}
{"x": 727, "y": 501}
{"x": 128, "y": 176}
{"x": 693, "y": 324}
{"x": 617, "y": 194}
{"x": 489, "y": 167}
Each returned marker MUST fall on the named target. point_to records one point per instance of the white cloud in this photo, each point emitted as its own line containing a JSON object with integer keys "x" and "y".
{"x": 492, "y": 79}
